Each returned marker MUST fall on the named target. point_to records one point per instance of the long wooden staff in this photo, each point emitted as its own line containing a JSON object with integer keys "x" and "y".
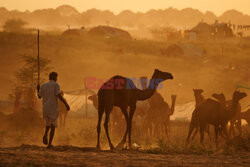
{"x": 38, "y": 58}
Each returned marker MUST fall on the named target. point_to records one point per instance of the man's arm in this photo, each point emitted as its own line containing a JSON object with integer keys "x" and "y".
{"x": 64, "y": 101}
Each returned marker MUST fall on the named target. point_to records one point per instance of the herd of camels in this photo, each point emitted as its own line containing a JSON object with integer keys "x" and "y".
{"x": 155, "y": 112}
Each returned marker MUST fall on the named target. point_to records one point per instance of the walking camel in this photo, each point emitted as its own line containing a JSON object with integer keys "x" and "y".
{"x": 159, "y": 115}
{"x": 236, "y": 119}
{"x": 194, "y": 124}
{"x": 120, "y": 91}
{"x": 166, "y": 113}
{"x": 212, "y": 112}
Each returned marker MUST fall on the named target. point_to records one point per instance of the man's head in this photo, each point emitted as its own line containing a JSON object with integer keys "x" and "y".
{"x": 53, "y": 76}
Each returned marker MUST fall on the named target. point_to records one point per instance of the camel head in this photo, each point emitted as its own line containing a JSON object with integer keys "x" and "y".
{"x": 162, "y": 75}
{"x": 92, "y": 97}
{"x": 198, "y": 92}
{"x": 173, "y": 97}
{"x": 239, "y": 95}
{"x": 220, "y": 97}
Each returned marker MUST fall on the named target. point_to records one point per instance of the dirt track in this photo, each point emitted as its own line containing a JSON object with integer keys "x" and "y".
{"x": 27, "y": 155}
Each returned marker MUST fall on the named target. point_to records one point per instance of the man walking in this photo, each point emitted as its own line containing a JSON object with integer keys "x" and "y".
{"x": 49, "y": 93}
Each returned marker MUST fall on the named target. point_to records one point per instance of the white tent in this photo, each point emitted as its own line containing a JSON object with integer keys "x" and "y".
{"x": 184, "y": 111}
{"x": 77, "y": 102}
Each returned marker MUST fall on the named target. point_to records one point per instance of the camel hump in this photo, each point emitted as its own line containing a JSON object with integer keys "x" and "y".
{"x": 118, "y": 77}
{"x": 210, "y": 101}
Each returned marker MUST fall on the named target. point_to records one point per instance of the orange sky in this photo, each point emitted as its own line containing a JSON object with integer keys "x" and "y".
{"x": 216, "y": 6}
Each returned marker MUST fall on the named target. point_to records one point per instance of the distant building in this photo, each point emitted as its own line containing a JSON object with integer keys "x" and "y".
{"x": 207, "y": 31}
{"x": 222, "y": 30}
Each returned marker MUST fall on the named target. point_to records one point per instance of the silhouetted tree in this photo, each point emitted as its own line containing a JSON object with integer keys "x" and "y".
{"x": 26, "y": 80}
{"x": 14, "y": 25}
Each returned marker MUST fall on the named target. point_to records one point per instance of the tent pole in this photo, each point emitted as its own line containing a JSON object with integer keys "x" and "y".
{"x": 86, "y": 100}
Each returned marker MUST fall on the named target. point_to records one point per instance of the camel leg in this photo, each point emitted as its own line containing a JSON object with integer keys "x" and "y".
{"x": 202, "y": 128}
{"x": 238, "y": 125}
{"x": 208, "y": 132}
{"x": 106, "y": 126}
{"x": 195, "y": 132}
{"x": 121, "y": 144}
{"x": 166, "y": 129}
{"x": 221, "y": 131}
{"x": 191, "y": 129}
{"x": 224, "y": 130}
{"x": 157, "y": 130}
{"x": 231, "y": 130}
{"x": 100, "y": 113}
{"x": 131, "y": 114}
{"x": 216, "y": 130}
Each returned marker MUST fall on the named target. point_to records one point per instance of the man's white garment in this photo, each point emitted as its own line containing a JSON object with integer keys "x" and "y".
{"x": 49, "y": 92}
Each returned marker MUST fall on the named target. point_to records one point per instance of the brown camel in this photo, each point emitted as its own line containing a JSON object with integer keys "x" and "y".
{"x": 124, "y": 94}
{"x": 236, "y": 120}
{"x": 194, "y": 124}
{"x": 159, "y": 115}
{"x": 63, "y": 113}
{"x": 212, "y": 112}
{"x": 167, "y": 112}
{"x": 246, "y": 116}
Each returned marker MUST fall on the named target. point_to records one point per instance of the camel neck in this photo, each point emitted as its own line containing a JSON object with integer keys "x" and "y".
{"x": 234, "y": 107}
{"x": 173, "y": 106}
{"x": 199, "y": 99}
{"x": 144, "y": 94}
{"x": 149, "y": 91}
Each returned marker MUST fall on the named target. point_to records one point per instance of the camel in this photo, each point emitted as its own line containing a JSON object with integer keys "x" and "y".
{"x": 124, "y": 94}
{"x": 194, "y": 125}
{"x": 63, "y": 113}
{"x": 236, "y": 120}
{"x": 212, "y": 112}
{"x": 159, "y": 115}
{"x": 170, "y": 111}
{"x": 246, "y": 116}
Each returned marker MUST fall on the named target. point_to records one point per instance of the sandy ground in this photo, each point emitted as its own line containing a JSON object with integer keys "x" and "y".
{"x": 28, "y": 155}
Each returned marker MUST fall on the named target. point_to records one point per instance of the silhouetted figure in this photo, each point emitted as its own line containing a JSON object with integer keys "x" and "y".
{"x": 194, "y": 124}
{"x": 49, "y": 92}
{"x": 235, "y": 122}
{"x": 159, "y": 115}
{"x": 124, "y": 95}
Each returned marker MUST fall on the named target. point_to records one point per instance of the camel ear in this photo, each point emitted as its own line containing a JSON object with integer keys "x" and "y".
{"x": 156, "y": 70}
